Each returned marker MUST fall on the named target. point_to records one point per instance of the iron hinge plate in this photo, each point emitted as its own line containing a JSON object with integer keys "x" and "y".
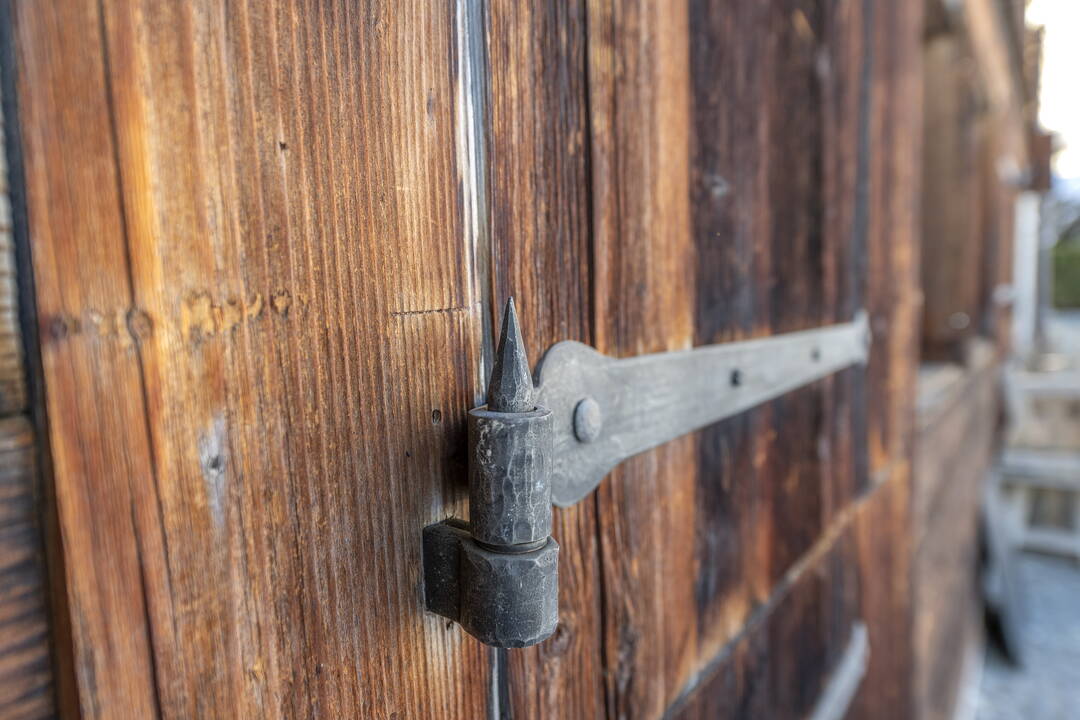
{"x": 607, "y": 409}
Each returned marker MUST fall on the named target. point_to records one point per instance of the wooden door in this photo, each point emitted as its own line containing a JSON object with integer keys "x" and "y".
{"x": 268, "y": 241}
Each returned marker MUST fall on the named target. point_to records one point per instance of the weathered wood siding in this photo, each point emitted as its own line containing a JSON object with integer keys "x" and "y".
{"x": 754, "y": 170}
{"x": 979, "y": 104}
{"x": 260, "y": 334}
{"x": 268, "y": 238}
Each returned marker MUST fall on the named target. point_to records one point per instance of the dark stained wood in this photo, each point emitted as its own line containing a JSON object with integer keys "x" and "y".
{"x": 261, "y": 325}
{"x": 26, "y": 677}
{"x": 797, "y": 220}
{"x": 788, "y": 217}
{"x": 779, "y": 212}
{"x": 781, "y": 662}
{"x": 883, "y": 542}
{"x": 890, "y": 273}
{"x": 890, "y": 279}
{"x": 538, "y": 190}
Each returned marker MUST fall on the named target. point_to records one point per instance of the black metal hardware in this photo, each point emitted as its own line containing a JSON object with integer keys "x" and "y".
{"x": 531, "y": 446}
{"x": 499, "y": 576}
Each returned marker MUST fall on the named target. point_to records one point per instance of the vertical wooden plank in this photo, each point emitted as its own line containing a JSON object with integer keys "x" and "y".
{"x": 644, "y": 288}
{"x": 893, "y": 256}
{"x": 883, "y": 539}
{"x": 262, "y": 324}
{"x": 731, "y": 50}
{"x": 538, "y": 155}
{"x": 776, "y": 91}
{"x": 101, "y": 454}
{"x": 893, "y": 176}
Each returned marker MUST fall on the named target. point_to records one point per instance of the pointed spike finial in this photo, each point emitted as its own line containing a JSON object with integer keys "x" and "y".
{"x": 510, "y": 388}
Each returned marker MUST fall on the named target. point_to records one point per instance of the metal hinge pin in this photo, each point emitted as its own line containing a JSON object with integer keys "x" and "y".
{"x": 498, "y": 576}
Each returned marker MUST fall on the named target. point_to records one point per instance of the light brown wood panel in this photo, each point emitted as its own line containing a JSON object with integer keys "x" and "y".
{"x": 105, "y": 486}
{"x": 644, "y": 302}
{"x": 262, "y": 323}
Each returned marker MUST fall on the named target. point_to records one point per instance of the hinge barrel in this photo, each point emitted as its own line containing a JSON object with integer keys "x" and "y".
{"x": 510, "y": 460}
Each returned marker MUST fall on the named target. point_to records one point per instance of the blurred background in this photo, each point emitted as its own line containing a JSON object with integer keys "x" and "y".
{"x": 1027, "y": 658}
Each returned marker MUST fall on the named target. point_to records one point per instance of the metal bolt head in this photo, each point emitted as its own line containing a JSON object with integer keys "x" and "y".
{"x": 509, "y": 600}
{"x": 588, "y": 420}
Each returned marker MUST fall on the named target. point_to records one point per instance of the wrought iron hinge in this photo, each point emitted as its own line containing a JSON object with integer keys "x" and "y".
{"x": 553, "y": 442}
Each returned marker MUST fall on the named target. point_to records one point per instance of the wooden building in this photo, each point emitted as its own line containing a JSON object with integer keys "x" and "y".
{"x": 262, "y": 248}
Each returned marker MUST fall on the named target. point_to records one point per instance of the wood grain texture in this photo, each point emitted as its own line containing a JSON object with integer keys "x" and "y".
{"x": 668, "y": 146}
{"x": 76, "y": 213}
{"x": 884, "y": 548}
{"x": 261, "y": 328}
{"x": 266, "y": 263}
{"x": 26, "y": 677}
{"x": 538, "y": 190}
{"x": 768, "y": 262}
{"x": 780, "y": 663}
{"x": 770, "y": 97}
{"x": 892, "y": 141}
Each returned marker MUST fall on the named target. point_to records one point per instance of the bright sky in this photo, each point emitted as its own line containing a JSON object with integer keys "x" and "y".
{"x": 1059, "y": 109}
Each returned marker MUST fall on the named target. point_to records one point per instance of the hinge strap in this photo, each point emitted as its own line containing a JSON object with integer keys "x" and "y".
{"x": 607, "y": 410}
